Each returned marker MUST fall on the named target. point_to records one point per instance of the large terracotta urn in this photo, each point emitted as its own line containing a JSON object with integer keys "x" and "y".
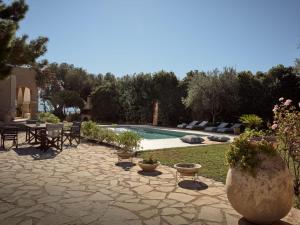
{"x": 264, "y": 198}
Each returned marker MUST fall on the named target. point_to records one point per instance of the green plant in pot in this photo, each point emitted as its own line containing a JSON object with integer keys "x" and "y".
{"x": 149, "y": 165}
{"x": 128, "y": 142}
{"x": 258, "y": 184}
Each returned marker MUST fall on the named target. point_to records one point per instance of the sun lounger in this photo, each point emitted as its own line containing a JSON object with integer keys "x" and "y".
{"x": 229, "y": 129}
{"x": 214, "y": 129}
{"x": 182, "y": 125}
{"x": 200, "y": 126}
{"x": 192, "y": 124}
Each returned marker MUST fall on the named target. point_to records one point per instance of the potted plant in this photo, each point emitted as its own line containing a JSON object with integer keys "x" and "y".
{"x": 258, "y": 184}
{"x": 128, "y": 142}
{"x": 149, "y": 165}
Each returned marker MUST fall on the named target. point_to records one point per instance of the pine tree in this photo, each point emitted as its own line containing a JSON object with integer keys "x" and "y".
{"x": 16, "y": 50}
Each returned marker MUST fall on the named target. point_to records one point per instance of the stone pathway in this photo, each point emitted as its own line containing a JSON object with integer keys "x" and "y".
{"x": 84, "y": 186}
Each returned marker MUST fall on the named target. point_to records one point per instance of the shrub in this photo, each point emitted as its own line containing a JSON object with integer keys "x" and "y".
{"x": 287, "y": 128}
{"x": 244, "y": 153}
{"x": 109, "y": 136}
{"x": 92, "y": 130}
{"x": 48, "y": 117}
{"x": 88, "y": 128}
{"x": 129, "y": 140}
{"x": 251, "y": 121}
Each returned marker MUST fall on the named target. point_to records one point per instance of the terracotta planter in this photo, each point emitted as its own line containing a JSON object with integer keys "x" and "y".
{"x": 265, "y": 198}
{"x": 148, "y": 167}
{"x": 187, "y": 169}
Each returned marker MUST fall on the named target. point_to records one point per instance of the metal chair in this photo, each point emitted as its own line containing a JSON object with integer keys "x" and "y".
{"x": 9, "y": 133}
{"x": 54, "y": 136}
{"x": 73, "y": 133}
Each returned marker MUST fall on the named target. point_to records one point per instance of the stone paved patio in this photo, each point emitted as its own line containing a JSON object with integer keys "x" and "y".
{"x": 84, "y": 186}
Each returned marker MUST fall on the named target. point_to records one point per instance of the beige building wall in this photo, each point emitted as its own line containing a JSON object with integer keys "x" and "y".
{"x": 20, "y": 80}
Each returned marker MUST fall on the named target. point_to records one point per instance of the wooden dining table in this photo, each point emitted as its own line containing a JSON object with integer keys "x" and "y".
{"x": 36, "y": 135}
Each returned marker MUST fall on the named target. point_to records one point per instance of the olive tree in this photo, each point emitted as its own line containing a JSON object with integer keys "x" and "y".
{"x": 212, "y": 94}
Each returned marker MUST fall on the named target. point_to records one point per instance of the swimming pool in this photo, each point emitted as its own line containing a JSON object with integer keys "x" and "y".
{"x": 152, "y": 133}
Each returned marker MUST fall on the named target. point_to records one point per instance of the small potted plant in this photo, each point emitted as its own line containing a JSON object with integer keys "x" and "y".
{"x": 149, "y": 164}
{"x": 128, "y": 142}
{"x": 258, "y": 184}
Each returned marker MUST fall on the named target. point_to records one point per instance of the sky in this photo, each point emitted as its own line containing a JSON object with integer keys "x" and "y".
{"x": 132, "y": 36}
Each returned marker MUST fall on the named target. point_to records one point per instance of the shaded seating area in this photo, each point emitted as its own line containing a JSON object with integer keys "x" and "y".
{"x": 72, "y": 134}
{"x": 53, "y": 136}
{"x": 9, "y": 133}
{"x": 27, "y": 130}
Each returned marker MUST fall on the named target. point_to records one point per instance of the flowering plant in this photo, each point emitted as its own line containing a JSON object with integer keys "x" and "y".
{"x": 287, "y": 128}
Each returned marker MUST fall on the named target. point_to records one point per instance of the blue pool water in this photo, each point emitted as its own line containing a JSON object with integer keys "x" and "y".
{"x": 153, "y": 133}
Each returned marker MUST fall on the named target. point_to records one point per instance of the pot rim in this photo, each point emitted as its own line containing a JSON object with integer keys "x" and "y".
{"x": 195, "y": 166}
{"x": 141, "y": 162}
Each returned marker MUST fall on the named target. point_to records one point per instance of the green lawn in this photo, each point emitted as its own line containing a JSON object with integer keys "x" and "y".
{"x": 211, "y": 157}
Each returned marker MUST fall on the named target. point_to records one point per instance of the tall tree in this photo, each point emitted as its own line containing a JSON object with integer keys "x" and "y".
{"x": 251, "y": 93}
{"x": 136, "y": 98}
{"x": 213, "y": 95}
{"x": 16, "y": 50}
{"x": 105, "y": 101}
{"x": 167, "y": 92}
{"x": 64, "y": 86}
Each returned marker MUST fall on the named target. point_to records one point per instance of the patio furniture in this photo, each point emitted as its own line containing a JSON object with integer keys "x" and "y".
{"x": 27, "y": 129}
{"x": 200, "y": 126}
{"x": 192, "y": 124}
{"x": 33, "y": 131}
{"x": 9, "y": 133}
{"x": 54, "y": 136}
{"x": 182, "y": 125}
{"x": 233, "y": 129}
{"x": 73, "y": 134}
{"x": 214, "y": 129}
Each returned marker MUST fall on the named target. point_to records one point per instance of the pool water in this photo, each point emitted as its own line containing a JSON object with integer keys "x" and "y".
{"x": 153, "y": 133}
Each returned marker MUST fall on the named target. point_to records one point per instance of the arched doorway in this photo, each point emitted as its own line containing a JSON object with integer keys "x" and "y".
{"x": 23, "y": 102}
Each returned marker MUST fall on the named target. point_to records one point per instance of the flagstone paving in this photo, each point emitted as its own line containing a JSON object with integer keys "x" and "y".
{"x": 84, "y": 185}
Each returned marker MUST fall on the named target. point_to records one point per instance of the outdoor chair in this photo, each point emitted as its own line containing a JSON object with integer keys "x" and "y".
{"x": 54, "y": 136}
{"x": 229, "y": 129}
{"x": 9, "y": 133}
{"x": 214, "y": 129}
{"x": 182, "y": 125}
{"x": 200, "y": 126}
{"x": 192, "y": 124}
{"x": 73, "y": 134}
{"x": 27, "y": 129}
